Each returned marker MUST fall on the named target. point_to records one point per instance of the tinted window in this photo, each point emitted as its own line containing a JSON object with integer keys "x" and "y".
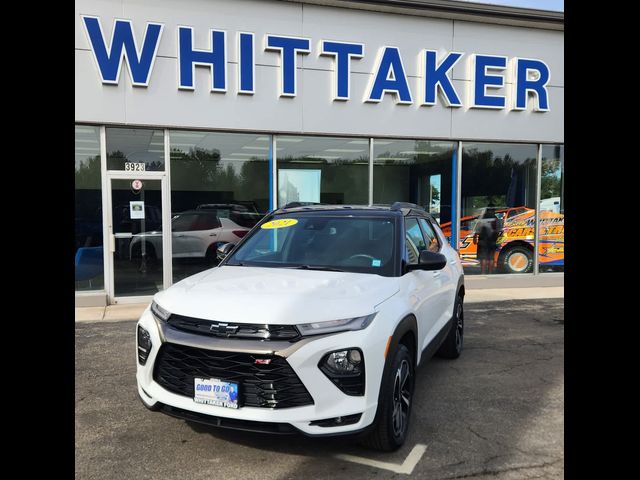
{"x": 183, "y": 223}
{"x": 433, "y": 245}
{"x": 88, "y": 208}
{"x": 414, "y": 240}
{"x": 205, "y": 222}
{"x": 354, "y": 244}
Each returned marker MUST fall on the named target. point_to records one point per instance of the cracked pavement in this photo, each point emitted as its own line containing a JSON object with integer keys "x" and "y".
{"x": 495, "y": 413}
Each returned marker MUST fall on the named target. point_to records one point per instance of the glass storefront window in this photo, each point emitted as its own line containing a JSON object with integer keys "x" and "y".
{"x": 416, "y": 171}
{"x": 322, "y": 170}
{"x": 498, "y": 202}
{"x": 137, "y": 230}
{"x": 551, "y": 243}
{"x": 135, "y": 149}
{"x": 219, "y": 190}
{"x": 89, "y": 260}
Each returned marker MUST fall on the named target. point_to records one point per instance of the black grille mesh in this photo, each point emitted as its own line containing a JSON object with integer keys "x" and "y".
{"x": 275, "y": 385}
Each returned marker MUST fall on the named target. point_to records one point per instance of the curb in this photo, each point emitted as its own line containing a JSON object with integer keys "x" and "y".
{"x": 119, "y": 313}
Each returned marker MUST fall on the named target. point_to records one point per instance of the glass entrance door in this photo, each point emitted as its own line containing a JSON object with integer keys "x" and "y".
{"x": 136, "y": 237}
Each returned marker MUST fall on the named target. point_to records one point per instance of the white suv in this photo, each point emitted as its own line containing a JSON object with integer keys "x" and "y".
{"x": 313, "y": 323}
{"x": 194, "y": 234}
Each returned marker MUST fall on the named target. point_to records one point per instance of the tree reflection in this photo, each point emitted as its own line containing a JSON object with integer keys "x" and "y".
{"x": 202, "y": 170}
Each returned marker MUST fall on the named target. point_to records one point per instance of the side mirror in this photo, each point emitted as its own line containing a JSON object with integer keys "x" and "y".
{"x": 429, "y": 261}
{"x": 223, "y": 250}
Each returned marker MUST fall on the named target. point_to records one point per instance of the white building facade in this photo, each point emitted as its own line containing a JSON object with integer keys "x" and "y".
{"x": 239, "y": 107}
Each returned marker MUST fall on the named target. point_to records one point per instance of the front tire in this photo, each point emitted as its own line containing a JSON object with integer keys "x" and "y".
{"x": 394, "y": 405}
{"x": 452, "y": 345}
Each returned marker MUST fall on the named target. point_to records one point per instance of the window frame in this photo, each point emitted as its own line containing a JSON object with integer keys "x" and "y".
{"x": 405, "y": 254}
{"x": 428, "y": 221}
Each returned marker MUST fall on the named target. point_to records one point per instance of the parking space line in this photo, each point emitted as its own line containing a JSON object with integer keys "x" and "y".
{"x": 406, "y": 468}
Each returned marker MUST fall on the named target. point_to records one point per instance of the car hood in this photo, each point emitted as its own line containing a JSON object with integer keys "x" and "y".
{"x": 276, "y": 295}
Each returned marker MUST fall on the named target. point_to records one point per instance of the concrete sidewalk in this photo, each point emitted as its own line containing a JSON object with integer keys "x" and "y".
{"x": 118, "y": 313}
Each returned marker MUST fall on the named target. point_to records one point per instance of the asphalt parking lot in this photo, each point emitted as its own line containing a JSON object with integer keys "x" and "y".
{"x": 496, "y": 412}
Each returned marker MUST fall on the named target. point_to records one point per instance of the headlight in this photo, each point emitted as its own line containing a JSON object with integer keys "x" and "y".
{"x": 344, "y": 325}
{"x": 159, "y": 312}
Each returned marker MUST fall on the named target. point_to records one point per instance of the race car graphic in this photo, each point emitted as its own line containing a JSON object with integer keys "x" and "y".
{"x": 515, "y": 244}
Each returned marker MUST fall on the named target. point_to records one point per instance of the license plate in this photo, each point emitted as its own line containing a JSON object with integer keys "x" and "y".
{"x": 214, "y": 391}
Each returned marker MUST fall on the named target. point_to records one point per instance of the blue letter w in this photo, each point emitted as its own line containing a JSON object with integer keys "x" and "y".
{"x": 123, "y": 45}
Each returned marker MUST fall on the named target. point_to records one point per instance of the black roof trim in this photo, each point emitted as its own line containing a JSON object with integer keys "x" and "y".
{"x": 402, "y": 208}
{"x": 327, "y": 208}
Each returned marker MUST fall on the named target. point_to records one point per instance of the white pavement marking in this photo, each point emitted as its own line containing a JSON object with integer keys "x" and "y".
{"x": 406, "y": 468}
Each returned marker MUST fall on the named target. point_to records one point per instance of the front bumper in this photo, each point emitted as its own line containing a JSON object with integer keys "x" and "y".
{"x": 303, "y": 356}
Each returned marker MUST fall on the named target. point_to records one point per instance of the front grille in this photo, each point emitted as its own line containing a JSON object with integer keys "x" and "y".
{"x": 212, "y": 328}
{"x": 273, "y": 385}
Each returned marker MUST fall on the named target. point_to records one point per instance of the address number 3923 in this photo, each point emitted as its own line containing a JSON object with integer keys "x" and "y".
{"x": 133, "y": 167}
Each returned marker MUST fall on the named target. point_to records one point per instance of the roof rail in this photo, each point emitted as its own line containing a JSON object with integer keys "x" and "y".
{"x": 299, "y": 204}
{"x": 401, "y": 205}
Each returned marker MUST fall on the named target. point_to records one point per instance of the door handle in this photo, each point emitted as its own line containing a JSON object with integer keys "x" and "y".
{"x": 436, "y": 274}
{"x": 213, "y": 234}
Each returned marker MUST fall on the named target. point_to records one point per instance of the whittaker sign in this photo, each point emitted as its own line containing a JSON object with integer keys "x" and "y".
{"x": 521, "y": 79}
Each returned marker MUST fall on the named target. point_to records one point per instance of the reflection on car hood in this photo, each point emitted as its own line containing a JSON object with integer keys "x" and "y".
{"x": 276, "y": 295}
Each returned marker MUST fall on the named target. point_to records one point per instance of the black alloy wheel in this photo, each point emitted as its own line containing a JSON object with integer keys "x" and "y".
{"x": 401, "y": 399}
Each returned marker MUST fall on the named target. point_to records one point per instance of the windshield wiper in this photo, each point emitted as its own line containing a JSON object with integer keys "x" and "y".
{"x": 317, "y": 267}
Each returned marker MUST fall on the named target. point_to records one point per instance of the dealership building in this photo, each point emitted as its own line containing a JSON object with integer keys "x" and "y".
{"x": 196, "y": 118}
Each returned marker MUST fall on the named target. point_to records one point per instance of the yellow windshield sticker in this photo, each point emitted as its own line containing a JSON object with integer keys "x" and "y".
{"x": 283, "y": 223}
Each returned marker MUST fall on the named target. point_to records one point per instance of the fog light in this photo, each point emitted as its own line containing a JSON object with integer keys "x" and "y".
{"x": 355, "y": 357}
{"x": 345, "y": 368}
{"x": 339, "y": 363}
{"x": 337, "y": 421}
{"x": 144, "y": 345}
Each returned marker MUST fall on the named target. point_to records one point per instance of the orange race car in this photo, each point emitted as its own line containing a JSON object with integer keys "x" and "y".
{"x": 515, "y": 244}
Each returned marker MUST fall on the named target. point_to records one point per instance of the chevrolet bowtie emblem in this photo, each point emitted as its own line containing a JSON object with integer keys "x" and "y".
{"x": 223, "y": 328}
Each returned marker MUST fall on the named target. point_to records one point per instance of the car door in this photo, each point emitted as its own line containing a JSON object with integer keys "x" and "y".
{"x": 422, "y": 289}
{"x": 200, "y": 234}
{"x": 445, "y": 280}
{"x": 183, "y": 241}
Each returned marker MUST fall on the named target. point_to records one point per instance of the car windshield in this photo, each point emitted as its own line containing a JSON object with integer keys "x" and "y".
{"x": 321, "y": 242}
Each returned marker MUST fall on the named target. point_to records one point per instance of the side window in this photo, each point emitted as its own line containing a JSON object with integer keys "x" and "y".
{"x": 182, "y": 223}
{"x": 206, "y": 222}
{"x": 414, "y": 240}
{"x": 433, "y": 244}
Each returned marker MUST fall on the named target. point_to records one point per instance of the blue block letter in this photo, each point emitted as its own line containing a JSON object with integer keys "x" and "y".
{"x": 482, "y": 80}
{"x": 537, "y": 86}
{"x": 123, "y": 45}
{"x": 389, "y": 77}
{"x": 215, "y": 59}
{"x": 342, "y": 52}
{"x": 246, "y": 63}
{"x": 435, "y": 77}
{"x": 288, "y": 47}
